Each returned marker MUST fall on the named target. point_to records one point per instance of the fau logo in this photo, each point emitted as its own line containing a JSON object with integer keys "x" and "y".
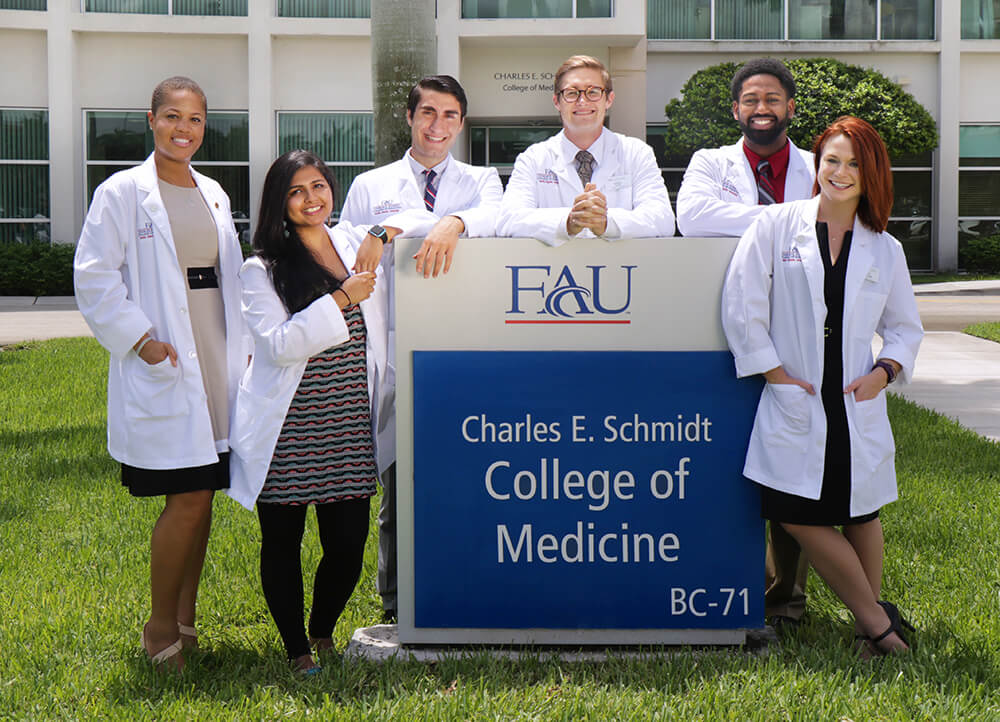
{"x": 552, "y": 294}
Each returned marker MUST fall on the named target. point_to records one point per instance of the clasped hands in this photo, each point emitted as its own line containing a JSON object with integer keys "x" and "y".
{"x": 590, "y": 210}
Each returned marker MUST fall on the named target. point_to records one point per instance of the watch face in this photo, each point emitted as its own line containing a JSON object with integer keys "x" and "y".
{"x": 378, "y": 231}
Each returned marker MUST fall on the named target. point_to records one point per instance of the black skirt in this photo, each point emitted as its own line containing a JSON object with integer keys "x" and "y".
{"x": 159, "y": 482}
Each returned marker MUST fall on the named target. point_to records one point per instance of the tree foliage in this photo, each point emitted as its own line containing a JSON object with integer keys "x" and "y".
{"x": 825, "y": 89}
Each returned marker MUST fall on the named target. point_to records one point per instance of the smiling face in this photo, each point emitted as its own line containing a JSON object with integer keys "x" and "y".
{"x": 839, "y": 176}
{"x": 434, "y": 126}
{"x": 583, "y": 120}
{"x": 310, "y": 198}
{"x": 763, "y": 111}
{"x": 178, "y": 126}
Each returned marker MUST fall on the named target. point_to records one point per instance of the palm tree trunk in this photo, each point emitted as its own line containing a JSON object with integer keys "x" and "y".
{"x": 404, "y": 49}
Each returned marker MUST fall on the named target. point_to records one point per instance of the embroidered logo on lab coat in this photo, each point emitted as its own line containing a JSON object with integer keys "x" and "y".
{"x": 548, "y": 177}
{"x": 386, "y": 207}
{"x": 791, "y": 256}
{"x": 729, "y": 187}
{"x": 145, "y": 232}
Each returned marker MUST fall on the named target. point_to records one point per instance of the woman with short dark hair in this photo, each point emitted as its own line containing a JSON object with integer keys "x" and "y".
{"x": 810, "y": 284}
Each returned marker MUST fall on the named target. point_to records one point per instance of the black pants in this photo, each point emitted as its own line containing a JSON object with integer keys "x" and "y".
{"x": 343, "y": 530}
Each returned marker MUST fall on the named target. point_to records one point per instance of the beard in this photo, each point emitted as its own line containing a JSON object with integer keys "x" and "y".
{"x": 764, "y": 136}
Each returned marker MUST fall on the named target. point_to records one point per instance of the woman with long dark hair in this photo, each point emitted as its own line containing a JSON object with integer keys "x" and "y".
{"x": 810, "y": 284}
{"x": 305, "y": 428}
{"x": 156, "y": 279}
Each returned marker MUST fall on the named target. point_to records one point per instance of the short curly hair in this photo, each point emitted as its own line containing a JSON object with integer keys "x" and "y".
{"x": 763, "y": 66}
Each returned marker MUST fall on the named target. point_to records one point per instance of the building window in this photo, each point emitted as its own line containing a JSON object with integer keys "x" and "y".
{"x": 790, "y": 19}
{"x": 24, "y": 175}
{"x": 671, "y": 166}
{"x": 345, "y": 142}
{"x": 23, "y": 5}
{"x": 980, "y": 19}
{"x": 169, "y": 7}
{"x": 119, "y": 139}
{"x": 912, "y": 214}
{"x": 498, "y": 146}
{"x": 324, "y": 8}
{"x": 978, "y": 182}
{"x": 536, "y": 9}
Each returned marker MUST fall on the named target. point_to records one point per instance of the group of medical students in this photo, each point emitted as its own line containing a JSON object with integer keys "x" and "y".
{"x": 273, "y": 379}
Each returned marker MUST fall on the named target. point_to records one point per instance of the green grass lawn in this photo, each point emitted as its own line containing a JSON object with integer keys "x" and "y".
{"x": 987, "y": 330}
{"x": 74, "y": 593}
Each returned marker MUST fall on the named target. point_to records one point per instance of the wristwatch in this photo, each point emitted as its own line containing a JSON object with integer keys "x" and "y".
{"x": 380, "y": 233}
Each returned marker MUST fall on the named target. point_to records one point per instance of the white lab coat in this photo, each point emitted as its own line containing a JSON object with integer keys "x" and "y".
{"x": 382, "y": 195}
{"x": 773, "y": 313}
{"x": 718, "y": 196}
{"x": 543, "y": 186}
{"x": 283, "y": 344}
{"x": 390, "y": 196}
{"x": 128, "y": 281}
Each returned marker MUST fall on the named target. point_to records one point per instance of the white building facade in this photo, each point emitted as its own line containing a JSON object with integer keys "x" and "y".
{"x": 76, "y": 76}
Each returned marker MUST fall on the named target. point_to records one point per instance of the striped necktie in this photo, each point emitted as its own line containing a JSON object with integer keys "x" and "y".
{"x": 765, "y": 189}
{"x": 430, "y": 192}
{"x": 585, "y": 169}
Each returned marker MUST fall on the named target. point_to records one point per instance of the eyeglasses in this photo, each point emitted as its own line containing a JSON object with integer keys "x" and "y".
{"x": 593, "y": 94}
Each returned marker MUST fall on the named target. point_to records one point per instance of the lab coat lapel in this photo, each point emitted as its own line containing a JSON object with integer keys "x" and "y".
{"x": 741, "y": 175}
{"x": 799, "y": 180}
{"x": 564, "y": 168}
{"x": 343, "y": 247}
{"x": 859, "y": 263}
{"x": 812, "y": 263}
{"x": 612, "y": 161}
{"x": 153, "y": 206}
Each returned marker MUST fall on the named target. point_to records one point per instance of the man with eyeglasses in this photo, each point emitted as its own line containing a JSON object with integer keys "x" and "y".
{"x": 585, "y": 181}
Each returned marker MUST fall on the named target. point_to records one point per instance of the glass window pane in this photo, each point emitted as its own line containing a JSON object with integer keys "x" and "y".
{"x": 147, "y": 7}
{"x": 980, "y": 19}
{"x": 912, "y": 190}
{"x": 118, "y": 136}
{"x": 24, "y": 232}
{"x": 831, "y": 19}
{"x": 748, "y": 19}
{"x": 979, "y": 145}
{"x": 506, "y": 143}
{"x": 23, "y": 5}
{"x": 24, "y": 134}
{"x": 24, "y": 191}
{"x": 916, "y": 239}
{"x": 521, "y": 8}
{"x": 334, "y": 137}
{"x": 227, "y": 137}
{"x": 593, "y": 8}
{"x": 679, "y": 19}
{"x": 477, "y": 146}
{"x": 979, "y": 193}
{"x": 968, "y": 229}
{"x": 324, "y": 8}
{"x": 97, "y": 174}
{"x": 908, "y": 20}
{"x": 345, "y": 175}
{"x": 914, "y": 160}
{"x": 210, "y": 7}
{"x": 654, "y": 138}
{"x": 235, "y": 181}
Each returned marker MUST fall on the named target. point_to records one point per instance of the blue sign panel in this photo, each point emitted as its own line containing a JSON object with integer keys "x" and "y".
{"x": 584, "y": 490}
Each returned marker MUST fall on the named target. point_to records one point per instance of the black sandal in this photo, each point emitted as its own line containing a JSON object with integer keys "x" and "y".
{"x": 896, "y": 625}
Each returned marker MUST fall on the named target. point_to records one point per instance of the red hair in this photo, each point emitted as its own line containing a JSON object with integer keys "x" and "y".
{"x": 873, "y": 165}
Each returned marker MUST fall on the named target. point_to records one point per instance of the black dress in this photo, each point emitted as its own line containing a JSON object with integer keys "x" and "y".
{"x": 833, "y": 507}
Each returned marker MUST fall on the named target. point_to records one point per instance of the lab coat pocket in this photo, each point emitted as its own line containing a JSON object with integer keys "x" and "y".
{"x": 618, "y": 190}
{"x": 153, "y": 390}
{"x": 251, "y": 416}
{"x": 867, "y": 312}
{"x": 784, "y": 409}
{"x": 874, "y": 431}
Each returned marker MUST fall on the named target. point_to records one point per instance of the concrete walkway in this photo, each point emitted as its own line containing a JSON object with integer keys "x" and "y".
{"x": 957, "y": 375}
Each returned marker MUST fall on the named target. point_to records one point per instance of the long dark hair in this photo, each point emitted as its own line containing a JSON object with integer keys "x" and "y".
{"x": 297, "y": 276}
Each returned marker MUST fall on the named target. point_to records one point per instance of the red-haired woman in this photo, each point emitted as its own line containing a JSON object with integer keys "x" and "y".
{"x": 809, "y": 285}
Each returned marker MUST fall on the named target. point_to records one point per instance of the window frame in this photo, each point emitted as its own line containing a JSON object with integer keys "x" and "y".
{"x": 169, "y": 13}
{"x": 978, "y": 169}
{"x": 47, "y": 162}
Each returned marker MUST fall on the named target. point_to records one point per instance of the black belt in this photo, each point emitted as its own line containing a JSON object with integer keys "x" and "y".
{"x": 204, "y": 277}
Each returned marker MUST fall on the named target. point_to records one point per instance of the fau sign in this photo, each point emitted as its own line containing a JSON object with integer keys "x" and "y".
{"x": 554, "y": 294}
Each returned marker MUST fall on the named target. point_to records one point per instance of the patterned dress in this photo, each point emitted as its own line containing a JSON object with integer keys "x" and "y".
{"x": 325, "y": 450}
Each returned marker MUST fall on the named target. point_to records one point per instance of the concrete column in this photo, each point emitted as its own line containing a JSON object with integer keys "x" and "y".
{"x": 628, "y": 76}
{"x": 945, "y": 249}
{"x": 67, "y": 173}
{"x": 449, "y": 60}
{"x": 260, "y": 101}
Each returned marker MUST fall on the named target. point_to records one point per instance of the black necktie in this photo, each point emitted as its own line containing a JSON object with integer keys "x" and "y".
{"x": 585, "y": 167}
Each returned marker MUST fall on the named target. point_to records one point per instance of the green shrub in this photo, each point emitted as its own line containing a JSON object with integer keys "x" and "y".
{"x": 36, "y": 269}
{"x": 825, "y": 89}
{"x": 980, "y": 254}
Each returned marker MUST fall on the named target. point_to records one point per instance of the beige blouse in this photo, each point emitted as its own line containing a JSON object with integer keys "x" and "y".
{"x": 197, "y": 244}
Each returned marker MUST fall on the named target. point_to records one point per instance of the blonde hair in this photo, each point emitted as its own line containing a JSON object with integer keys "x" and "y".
{"x": 582, "y": 61}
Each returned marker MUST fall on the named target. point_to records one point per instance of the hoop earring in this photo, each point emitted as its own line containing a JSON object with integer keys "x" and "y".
{"x": 287, "y": 233}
